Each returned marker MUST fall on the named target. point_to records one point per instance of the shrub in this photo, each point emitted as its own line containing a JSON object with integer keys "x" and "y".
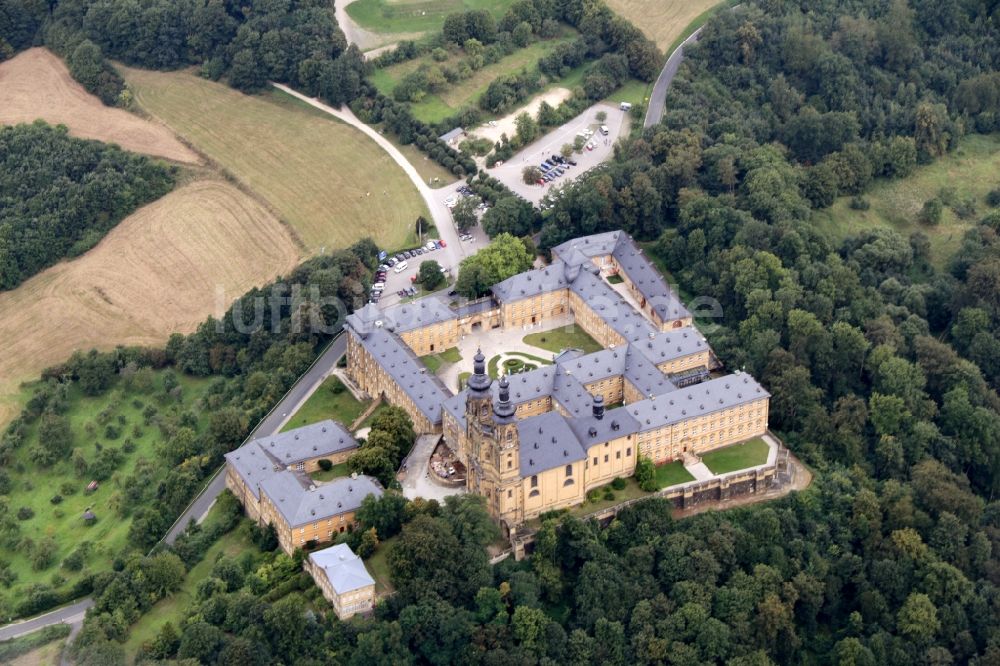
{"x": 993, "y": 197}
{"x": 618, "y": 483}
{"x": 325, "y": 465}
{"x": 594, "y": 495}
{"x": 67, "y": 488}
{"x": 128, "y": 446}
{"x": 112, "y": 432}
{"x": 25, "y": 513}
{"x": 56, "y": 499}
{"x": 931, "y": 212}
{"x": 608, "y": 494}
{"x": 859, "y": 203}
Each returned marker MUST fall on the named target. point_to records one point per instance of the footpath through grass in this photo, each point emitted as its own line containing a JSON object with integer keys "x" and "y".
{"x": 332, "y": 400}
{"x": 560, "y": 339}
{"x": 737, "y": 456}
{"x": 331, "y": 183}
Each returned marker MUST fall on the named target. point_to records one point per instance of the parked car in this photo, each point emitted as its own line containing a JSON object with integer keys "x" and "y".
{"x": 604, "y": 130}
{"x": 431, "y": 245}
{"x": 402, "y": 266}
{"x": 443, "y": 244}
{"x": 401, "y": 293}
{"x": 466, "y": 237}
{"x": 453, "y": 293}
{"x": 412, "y": 291}
{"x": 572, "y": 162}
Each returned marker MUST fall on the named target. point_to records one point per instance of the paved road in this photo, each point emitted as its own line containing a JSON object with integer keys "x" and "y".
{"x": 66, "y": 615}
{"x": 271, "y": 424}
{"x": 658, "y": 98}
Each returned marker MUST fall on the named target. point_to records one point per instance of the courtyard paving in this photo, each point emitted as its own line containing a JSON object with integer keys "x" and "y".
{"x": 418, "y": 481}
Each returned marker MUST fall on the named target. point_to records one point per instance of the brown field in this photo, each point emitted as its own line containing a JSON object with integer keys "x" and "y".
{"x": 36, "y": 84}
{"x": 163, "y": 270}
{"x": 330, "y": 182}
{"x": 663, "y": 21}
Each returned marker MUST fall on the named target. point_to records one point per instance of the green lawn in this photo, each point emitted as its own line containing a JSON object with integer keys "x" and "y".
{"x": 173, "y": 608}
{"x": 410, "y": 16}
{"x": 737, "y": 456}
{"x": 673, "y": 473}
{"x": 435, "y": 361}
{"x": 335, "y": 472}
{"x": 378, "y": 566}
{"x": 371, "y": 417}
{"x": 634, "y": 91}
{"x": 559, "y": 339}
{"x": 971, "y": 169}
{"x": 331, "y": 400}
{"x": 615, "y": 279}
{"x": 629, "y": 492}
{"x": 33, "y": 487}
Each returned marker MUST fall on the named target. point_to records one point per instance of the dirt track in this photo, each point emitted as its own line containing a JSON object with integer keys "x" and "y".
{"x": 36, "y": 84}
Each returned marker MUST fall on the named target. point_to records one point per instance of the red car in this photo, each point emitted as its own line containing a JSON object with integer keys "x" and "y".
{"x": 443, "y": 244}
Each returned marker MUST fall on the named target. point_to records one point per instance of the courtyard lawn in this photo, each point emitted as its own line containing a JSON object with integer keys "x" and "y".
{"x": 560, "y": 339}
{"x": 737, "y": 456}
{"x": 435, "y": 361}
{"x": 335, "y": 472}
{"x": 615, "y": 279}
{"x": 332, "y": 400}
{"x": 673, "y": 473}
{"x": 631, "y": 491}
{"x": 378, "y": 410}
{"x": 515, "y": 362}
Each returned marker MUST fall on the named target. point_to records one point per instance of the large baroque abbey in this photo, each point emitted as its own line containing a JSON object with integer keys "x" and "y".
{"x": 539, "y": 440}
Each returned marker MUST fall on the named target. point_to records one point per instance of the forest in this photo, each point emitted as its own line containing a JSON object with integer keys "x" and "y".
{"x": 60, "y": 195}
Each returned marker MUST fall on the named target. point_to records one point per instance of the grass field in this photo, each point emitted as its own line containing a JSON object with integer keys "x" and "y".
{"x": 973, "y": 169}
{"x": 335, "y": 472}
{"x": 435, "y": 361}
{"x": 737, "y": 456}
{"x": 378, "y": 566}
{"x": 330, "y": 182}
{"x": 671, "y": 474}
{"x": 558, "y": 339}
{"x": 389, "y": 16}
{"x": 436, "y": 107}
{"x": 665, "y": 21}
{"x": 162, "y": 270}
{"x": 33, "y": 487}
{"x": 331, "y": 400}
{"x": 35, "y": 649}
{"x": 36, "y": 84}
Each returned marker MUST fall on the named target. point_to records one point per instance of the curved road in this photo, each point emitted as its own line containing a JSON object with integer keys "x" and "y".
{"x": 658, "y": 98}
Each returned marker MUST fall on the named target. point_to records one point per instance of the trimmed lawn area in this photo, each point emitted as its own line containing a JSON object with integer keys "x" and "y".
{"x": 615, "y": 279}
{"x": 673, "y": 473}
{"x": 334, "y": 185}
{"x": 629, "y": 492}
{"x": 970, "y": 171}
{"x": 336, "y": 472}
{"x": 101, "y": 424}
{"x": 737, "y": 456}
{"x": 388, "y": 16}
{"x": 560, "y": 339}
{"x": 378, "y": 566}
{"x": 516, "y": 362}
{"x": 435, "y": 361}
{"x": 173, "y": 608}
{"x": 331, "y": 400}
{"x": 634, "y": 91}
{"x": 371, "y": 417}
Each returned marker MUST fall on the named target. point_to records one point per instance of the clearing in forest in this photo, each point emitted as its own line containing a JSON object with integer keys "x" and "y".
{"x": 36, "y": 84}
{"x": 663, "y": 21}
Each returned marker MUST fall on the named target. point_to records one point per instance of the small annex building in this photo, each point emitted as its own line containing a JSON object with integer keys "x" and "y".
{"x": 343, "y": 579}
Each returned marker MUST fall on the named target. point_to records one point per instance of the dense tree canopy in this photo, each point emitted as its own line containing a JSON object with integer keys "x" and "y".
{"x": 59, "y": 195}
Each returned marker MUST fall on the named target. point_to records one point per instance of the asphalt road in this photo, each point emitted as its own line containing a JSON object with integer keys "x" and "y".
{"x": 658, "y": 98}
{"x": 65, "y": 615}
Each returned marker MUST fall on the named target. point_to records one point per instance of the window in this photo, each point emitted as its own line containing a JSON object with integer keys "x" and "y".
{"x": 432, "y": 347}
{"x": 605, "y": 457}
{"x": 569, "y": 470}
{"x": 510, "y": 464}
{"x": 534, "y": 481}
{"x": 618, "y": 455}
{"x": 510, "y": 494}
{"x": 567, "y": 482}
{"x": 533, "y": 493}
{"x": 628, "y": 451}
{"x": 595, "y": 460}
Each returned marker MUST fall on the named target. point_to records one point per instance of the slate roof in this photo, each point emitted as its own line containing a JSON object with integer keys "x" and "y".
{"x": 531, "y": 283}
{"x": 252, "y": 464}
{"x": 400, "y": 318}
{"x": 590, "y": 430}
{"x": 299, "y": 505}
{"x": 345, "y": 570}
{"x": 547, "y": 442}
{"x": 698, "y": 400}
{"x": 312, "y": 441}
{"x": 407, "y": 371}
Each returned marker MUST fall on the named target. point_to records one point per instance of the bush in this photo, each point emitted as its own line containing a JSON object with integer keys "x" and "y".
{"x": 608, "y": 494}
{"x": 993, "y": 198}
{"x": 931, "y": 212}
{"x": 112, "y": 431}
{"x": 56, "y": 499}
{"x": 594, "y": 495}
{"x": 325, "y": 465}
{"x": 25, "y": 513}
{"x": 618, "y": 483}
{"x": 859, "y": 203}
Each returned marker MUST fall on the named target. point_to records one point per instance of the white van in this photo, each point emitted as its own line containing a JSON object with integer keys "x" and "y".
{"x": 400, "y": 267}
{"x": 604, "y": 130}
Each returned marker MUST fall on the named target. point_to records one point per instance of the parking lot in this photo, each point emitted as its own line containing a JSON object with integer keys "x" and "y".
{"x": 510, "y": 173}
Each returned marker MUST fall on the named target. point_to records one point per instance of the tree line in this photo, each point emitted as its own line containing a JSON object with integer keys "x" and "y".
{"x": 59, "y": 195}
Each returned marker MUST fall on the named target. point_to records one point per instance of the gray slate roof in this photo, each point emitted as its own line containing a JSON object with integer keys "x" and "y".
{"x": 252, "y": 464}
{"x": 402, "y": 317}
{"x": 547, "y": 442}
{"x": 312, "y": 441}
{"x": 299, "y": 505}
{"x": 616, "y": 423}
{"x": 345, "y": 570}
{"x": 698, "y": 400}
{"x": 423, "y": 387}
{"x": 531, "y": 283}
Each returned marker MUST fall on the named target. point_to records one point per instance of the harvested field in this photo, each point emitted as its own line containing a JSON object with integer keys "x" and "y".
{"x": 329, "y": 181}
{"x": 36, "y": 84}
{"x": 663, "y": 21}
{"x": 163, "y": 270}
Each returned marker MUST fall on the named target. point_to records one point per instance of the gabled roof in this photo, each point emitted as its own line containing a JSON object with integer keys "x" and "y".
{"x": 324, "y": 438}
{"x": 532, "y": 283}
{"x": 590, "y": 430}
{"x": 698, "y": 400}
{"x": 423, "y": 388}
{"x": 547, "y": 442}
{"x": 345, "y": 570}
{"x": 300, "y": 505}
{"x": 252, "y": 464}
